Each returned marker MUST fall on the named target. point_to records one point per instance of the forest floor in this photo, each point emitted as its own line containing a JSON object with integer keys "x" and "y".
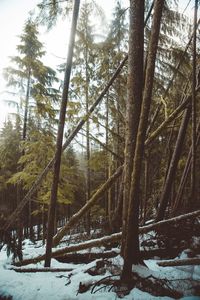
{"x": 85, "y": 281}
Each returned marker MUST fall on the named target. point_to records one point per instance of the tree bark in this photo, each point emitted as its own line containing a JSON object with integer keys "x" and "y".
{"x": 56, "y": 171}
{"x": 131, "y": 242}
{"x": 134, "y": 103}
{"x": 194, "y": 109}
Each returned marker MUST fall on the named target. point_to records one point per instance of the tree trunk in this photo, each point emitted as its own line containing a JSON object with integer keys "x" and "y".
{"x": 135, "y": 85}
{"x": 146, "y": 187}
{"x": 88, "y": 180}
{"x": 131, "y": 242}
{"x": 173, "y": 165}
{"x": 194, "y": 113}
{"x": 179, "y": 197}
{"x": 56, "y": 171}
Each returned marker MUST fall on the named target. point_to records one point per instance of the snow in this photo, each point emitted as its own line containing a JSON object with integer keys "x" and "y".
{"x": 64, "y": 285}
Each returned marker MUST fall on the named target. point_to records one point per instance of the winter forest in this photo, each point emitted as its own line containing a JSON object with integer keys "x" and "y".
{"x": 99, "y": 168}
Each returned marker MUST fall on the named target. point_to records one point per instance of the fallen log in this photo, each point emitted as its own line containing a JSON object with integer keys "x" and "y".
{"x": 78, "y": 258}
{"x": 170, "y": 221}
{"x": 36, "y": 270}
{"x": 77, "y": 247}
{"x": 107, "y": 239}
{"x": 179, "y": 262}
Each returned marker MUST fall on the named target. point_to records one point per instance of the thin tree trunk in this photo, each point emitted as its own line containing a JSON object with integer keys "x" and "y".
{"x": 110, "y": 204}
{"x": 109, "y": 157}
{"x": 194, "y": 113}
{"x": 88, "y": 180}
{"x": 116, "y": 221}
{"x": 173, "y": 165}
{"x": 146, "y": 188}
{"x": 134, "y": 103}
{"x": 179, "y": 197}
{"x": 131, "y": 242}
{"x": 20, "y": 189}
{"x": 54, "y": 188}
{"x": 24, "y": 132}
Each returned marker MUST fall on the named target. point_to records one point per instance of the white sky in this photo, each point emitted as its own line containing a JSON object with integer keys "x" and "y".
{"x": 14, "y": 13}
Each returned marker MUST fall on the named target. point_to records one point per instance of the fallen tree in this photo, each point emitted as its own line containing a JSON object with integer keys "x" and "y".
{"x": 77, "y": 247}
{"x": 37, "y": 270}
{"x": 107, "y": 239}
{"x": 179, "y": 262}
{"x": 78, "y": 258}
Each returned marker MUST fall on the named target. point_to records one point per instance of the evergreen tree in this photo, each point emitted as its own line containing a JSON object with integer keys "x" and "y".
{"x": 32, "y": 78}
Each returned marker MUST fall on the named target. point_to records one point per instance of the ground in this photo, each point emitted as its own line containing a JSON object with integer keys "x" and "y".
{"x": 65, "y": 285}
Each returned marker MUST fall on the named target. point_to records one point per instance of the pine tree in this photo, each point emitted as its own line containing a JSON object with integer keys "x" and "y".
{"x": 31, "y": 77}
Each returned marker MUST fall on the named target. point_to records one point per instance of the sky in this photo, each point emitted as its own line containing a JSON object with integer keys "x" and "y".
{"x": 14, "y": 13}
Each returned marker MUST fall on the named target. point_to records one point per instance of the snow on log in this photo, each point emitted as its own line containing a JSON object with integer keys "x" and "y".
{"x": 107, "y": 239}
{"x": 179, "y": 262}
{"x": 175, "y": 220}
{"x": 77, "y": 247}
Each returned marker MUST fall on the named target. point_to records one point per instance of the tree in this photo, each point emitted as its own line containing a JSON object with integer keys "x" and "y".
{"x": 31, "y": 76}
{"x": 131, "y": 243}
{"x": 10, "y": 151}
{"x": 54, "y": 188}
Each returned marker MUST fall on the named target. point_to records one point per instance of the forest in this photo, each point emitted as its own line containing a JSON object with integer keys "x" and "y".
{"x": 99, "y": 169}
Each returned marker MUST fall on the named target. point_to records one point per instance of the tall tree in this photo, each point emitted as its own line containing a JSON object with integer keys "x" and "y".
{"x": 131, "y": 242}
{"x": 29, "y": 74}
{"x": 194, "y": 106}
{"x": 56, "y": 172}
{"x": 135, "y": 86}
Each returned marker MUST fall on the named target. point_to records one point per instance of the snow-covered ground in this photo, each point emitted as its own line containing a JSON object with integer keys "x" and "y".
{"x": 65, "y": 285}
